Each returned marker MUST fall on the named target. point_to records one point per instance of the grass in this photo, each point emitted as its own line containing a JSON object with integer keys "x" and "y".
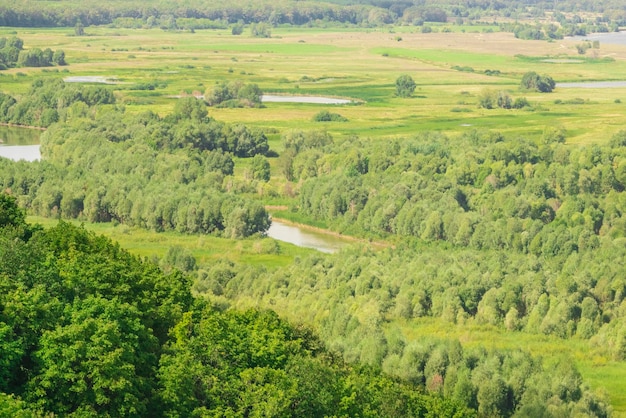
{"x": 205, "y": 248}
{"x": 344, "y": 62}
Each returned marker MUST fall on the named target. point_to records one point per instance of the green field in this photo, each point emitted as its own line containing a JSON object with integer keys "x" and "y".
{"x": 350, "y": 63}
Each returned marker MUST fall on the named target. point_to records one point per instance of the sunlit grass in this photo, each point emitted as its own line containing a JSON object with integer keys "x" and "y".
{"x": 205, "y": 248}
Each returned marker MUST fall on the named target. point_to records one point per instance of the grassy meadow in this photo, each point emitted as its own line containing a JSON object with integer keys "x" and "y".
{"x": 359, "y": 64}
{"x": 448, "y": 68}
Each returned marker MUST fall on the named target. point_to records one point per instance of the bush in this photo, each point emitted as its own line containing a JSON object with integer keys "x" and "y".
{"x": 533, "y": 81}
{"x": 326, "y": 116}
{"x": 405, "y": 86}
{"x": 520, "y": 103}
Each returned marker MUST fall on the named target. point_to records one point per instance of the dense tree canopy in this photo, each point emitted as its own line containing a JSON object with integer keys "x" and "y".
{"x": 86, "y": 329}
{"x": 160, "y": 173}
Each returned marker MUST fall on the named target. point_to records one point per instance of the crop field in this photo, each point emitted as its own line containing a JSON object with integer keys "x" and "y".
{"x": 151, "y": 69}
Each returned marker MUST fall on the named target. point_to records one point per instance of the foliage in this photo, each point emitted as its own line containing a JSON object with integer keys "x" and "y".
{"x": 405, "y": 86}
{"x": 260, "y": 30}
{"x": 237, "y": 28}
{"x": 161, "y": 173}
{"x": 541, "y": 83}
{"x": 12, "y": 53}
{"x": 87, "y": 329}
{"x": 565, "y": 16}
{"x": 364, "y": 293}
{"x": 234, "y": 94}
{"x": 49, "y": 101}
{"x": 326, "y": 116}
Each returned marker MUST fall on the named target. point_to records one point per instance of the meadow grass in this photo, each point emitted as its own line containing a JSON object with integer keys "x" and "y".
{"x": 361, "y": 64}
{"x": 205, "y": 248}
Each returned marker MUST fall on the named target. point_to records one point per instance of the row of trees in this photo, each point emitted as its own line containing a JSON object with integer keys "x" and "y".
{"x": 50, "y": 101}
{"x": 171, "y": 15}
{"x": 86, "y": 329}
{"x": 12, "y": 53}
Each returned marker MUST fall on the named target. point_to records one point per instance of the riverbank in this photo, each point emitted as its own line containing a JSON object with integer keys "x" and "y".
{"x": 14, "y": 125}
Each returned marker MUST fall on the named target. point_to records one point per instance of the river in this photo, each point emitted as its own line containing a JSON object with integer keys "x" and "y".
{"x": 303, "y": 237}
{"x": 19, "y": 143}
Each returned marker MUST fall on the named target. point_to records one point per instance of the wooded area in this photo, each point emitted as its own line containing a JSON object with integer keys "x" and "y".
{"x": 478, "y": 195}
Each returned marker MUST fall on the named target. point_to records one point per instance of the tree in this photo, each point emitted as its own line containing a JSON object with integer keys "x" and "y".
{"x": 237, "y": 28}
{"x": 260, "y": 168}
{"x": 541, "y": 83}
{"x": 260, "y": 30}
{"x": 103, "y": 357}
{"x": 59, "y": 57}
{"x": 10, "y": 214}
{"x": 405, "y": 86}
{"x": 79, "y": 29}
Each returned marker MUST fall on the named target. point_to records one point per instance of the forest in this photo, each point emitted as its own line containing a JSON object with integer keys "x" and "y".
{"x": 482, "y": 199}
{"x": 88, "y": 329}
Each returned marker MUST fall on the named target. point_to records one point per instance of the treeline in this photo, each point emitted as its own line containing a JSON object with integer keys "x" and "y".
{"x": 86, "y": 329}
{"x": 172, "y": 173}
{"x": 166, "y": 13}
{"x": 50, "y": 101}
{"x": 198, "y": 14}
{"x": 12, "y": 53}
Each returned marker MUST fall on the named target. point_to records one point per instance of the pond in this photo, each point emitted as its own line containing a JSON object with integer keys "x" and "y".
{"x": 90, "y": 79}
{"x": 303, "y": 99}
{"x": 307, "y": 238}
{"x": 19, "y": 143}
{"x": 611, "y": 38}
{"x": 593, "y": 84}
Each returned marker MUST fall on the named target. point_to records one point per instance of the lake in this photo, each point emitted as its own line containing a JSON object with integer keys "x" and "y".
{"x": 593, "y": 85}
{"x": 19, "y": 143}
{"x": 99, "y": 79}
{"x": 266, "y": 98}
{"x": 612, "y": 38}
{"x": 307, "y": 238}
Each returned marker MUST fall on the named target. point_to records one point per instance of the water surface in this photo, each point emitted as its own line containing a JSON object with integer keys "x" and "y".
{"x": 303, "y": 99}
{"x": 90, "y": 79}
{"x": 305, "y": 238}
{"x": 19, "y": 143}
{"x": 612, "y": 38}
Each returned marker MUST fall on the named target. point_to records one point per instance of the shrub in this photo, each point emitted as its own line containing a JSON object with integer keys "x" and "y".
{"x": 405, "y": 86}
{"x": 326, "y": 116}
{"x": 533, "y": 81}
